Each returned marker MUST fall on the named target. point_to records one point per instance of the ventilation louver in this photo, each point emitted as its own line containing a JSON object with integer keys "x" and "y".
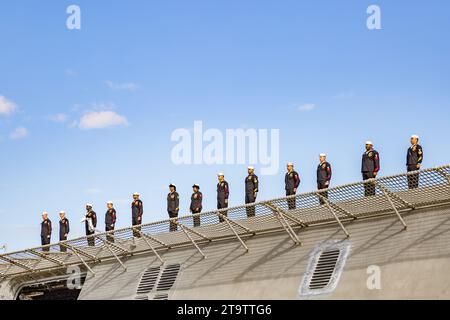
{"x": 157, "y": 283}
{"x": 168, "y": 277}
{"x": 148, "y": 281}
{"x": 324, "y": 269}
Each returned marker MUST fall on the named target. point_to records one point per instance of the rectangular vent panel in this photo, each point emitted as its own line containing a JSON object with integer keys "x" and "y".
{"x": 324, "y": 269}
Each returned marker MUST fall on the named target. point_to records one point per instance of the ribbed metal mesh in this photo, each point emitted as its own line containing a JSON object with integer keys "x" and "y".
{"x": 346, "y": 201}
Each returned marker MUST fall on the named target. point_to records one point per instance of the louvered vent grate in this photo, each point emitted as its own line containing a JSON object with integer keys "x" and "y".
{"x": 148, "y": 281}
{"x": 168, "y": 277}
{"x": 157, "y": 283}
{"x": 324, "y": 269}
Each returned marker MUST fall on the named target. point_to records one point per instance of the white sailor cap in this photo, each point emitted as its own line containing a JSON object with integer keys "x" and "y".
{"x": 415, "y": 136}
{"x": 251, "y": 168}
{"x": 322, "y": 155}
{"x": 109, "y": 202}
{"x": 89, "y": 205}
{"x": 45, "y": 212}
{"x": 290, "y": 164}
{"x": 368, "y": 142}
{"x": 220, "y": 174}
{"x": 136, "y": 194}
{"x": 62, "y": 212}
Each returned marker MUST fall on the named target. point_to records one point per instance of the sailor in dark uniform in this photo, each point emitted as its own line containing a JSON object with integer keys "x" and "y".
{"x": 137, "y": 210}
{"x": 196, "y": 204}
{"x": 223, "y": 192}
{"x": 414, "y": 160}
{"x": 291, "y": 181}
{"x": 110, "y": 221}
{"x": 173, "y": 206}
{"x": 90, "y": 223}
{"x": 64, "y": 229}
{"x": 323, "y": 176}
{"x": 251, "y": 190}
{"x": 46, "y": 231}
{"x": 370, "y": 168}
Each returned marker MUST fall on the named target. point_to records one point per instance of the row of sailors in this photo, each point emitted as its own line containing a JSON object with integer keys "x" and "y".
{"x": 370, "y": 166}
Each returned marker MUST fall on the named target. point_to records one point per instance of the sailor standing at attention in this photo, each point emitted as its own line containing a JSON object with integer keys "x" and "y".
{"x": 46, "y": 231}
{"x": 251, "y": 191}
{"x": 196, "y": 204}
{"x": 369, "y": 168}
{"x": 414, "y": 160}
{"x": 173, "y": 205}
{"x": 323, "y": 176}
{"x": 110, "y": 220}
{"x": 64, "y": 229}
{"x": 223, "y": 193}
{"x": 291, "y": 181}
{"x": 137, "y": 210}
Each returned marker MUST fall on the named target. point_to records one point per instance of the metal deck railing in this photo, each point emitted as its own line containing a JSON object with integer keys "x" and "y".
{"x": 392, "y": 196}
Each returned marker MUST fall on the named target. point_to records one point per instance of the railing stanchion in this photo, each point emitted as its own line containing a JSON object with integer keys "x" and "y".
{"x": 386, "y": 194}
{"x": 327, "y": 203}
{"x": 190, "y": 238}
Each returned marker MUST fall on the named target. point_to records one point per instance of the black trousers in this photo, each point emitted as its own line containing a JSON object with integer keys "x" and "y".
{"x": 110, "y": 236}
{"x": 369, "y": 187}
{"x": 250, "y": 198}
{"x": 291, "y": 202}
{"x": 173, "y": 226}
{"x": 197, "y": 218}
{"x": 90, "y": 240}
{"x": 222, "y": 205}
{"x": 413, "y": 180}
{"x": 322, "y": 186}
{"x": 45, "y": 241}
{"x": 62, "y": 248}
{"x": 136, "y": 231}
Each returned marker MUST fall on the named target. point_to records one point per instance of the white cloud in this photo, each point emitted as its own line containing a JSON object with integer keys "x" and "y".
{"x": 19, "y": 133}
{"x": 6, "y": 106}
{"x": 307, "y": 107}
{"x": 101, "y": 120}
{"x": 127, "y": 86}
{"x": 60, "y": 117}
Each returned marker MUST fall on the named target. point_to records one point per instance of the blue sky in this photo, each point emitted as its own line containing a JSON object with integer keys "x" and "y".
{"x": 152, "y": 67}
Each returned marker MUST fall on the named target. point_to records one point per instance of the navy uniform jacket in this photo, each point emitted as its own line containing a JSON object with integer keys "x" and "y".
{"x": 370, "y": 161}
{"x": 196, "y": 201}
{"x": 173, "y": 202}
{"x": 323, "y": 173}
{"x": 414, "y": 155}
{"x": 64, "y": 228}
{"x": 46, "y": 228}
{"x": 291, "y": 180}
{"x": 251, "y": 184}
{"x": 110, "y": 217}
{"x": 223, "y": 191}
{"x": 137, "y": 208}
{"x": 93, "y": 216}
